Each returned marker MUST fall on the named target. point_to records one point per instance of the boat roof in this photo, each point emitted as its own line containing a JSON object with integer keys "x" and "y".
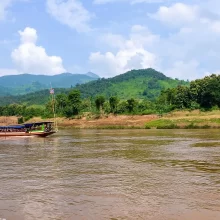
{"x": 12, "y": 127}
{"x": 37, "y": 123}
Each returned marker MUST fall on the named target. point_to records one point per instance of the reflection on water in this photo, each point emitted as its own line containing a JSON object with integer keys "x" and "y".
{"x": 111, "y": 174}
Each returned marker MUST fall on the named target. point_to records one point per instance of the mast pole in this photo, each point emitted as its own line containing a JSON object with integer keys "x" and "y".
{"x": 54, "y": 109}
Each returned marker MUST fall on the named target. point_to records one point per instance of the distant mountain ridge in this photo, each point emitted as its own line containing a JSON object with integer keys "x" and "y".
{"x": 137, "y": 84}
{"x": 26, "y": 83}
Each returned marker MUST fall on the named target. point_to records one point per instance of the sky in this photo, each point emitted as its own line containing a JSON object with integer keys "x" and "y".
{"x": 109, "y": 37}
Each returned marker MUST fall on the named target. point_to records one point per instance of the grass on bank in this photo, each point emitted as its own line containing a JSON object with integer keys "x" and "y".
{"x": 187, "y": 120}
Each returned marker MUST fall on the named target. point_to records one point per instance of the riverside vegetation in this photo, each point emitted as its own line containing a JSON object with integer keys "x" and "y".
{"x": 138, "y": 92}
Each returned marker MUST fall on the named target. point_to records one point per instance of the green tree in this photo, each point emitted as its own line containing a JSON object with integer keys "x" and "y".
{"x": 86, "y": 105}
{"x": 122, "y": 107}
{"x": 99, "y": 102}
{"x": 131, "y": 103}
{"x": 183, "y": 97}
{"x": 61, "y": 101}
{"x": 74, "y": 103}
{"x": 146, "y": 107}
{"x": 113, "y": 101}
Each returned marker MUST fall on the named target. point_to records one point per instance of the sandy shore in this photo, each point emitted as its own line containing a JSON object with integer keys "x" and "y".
{"x": 134, "y": 121}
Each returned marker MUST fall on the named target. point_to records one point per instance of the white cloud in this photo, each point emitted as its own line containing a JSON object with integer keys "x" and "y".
{"x": 29, "y": 35}
{"x": 71, "y": 13}
{"x": 139, "y": 35}
{"x": 113, "y": 40}
{"x": 109, "y": 64}
{"x": 190, "y": 70}
{"x": 31, "y": 58}
{"x": 142, "y": 36}
{"x": 131, "y": 54}
{"x": 177, "y": 15}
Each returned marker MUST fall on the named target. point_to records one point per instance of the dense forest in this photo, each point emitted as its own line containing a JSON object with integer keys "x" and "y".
{"x": 201, "y": 94}
{"x": 137, "y": 84}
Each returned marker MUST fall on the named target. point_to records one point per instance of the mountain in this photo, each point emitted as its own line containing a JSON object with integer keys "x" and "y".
{"x": 93, "y": 75}
{"x": 4, "y": 91}
{"x": 138, "y": 84}
{"x": 26, "y": 83}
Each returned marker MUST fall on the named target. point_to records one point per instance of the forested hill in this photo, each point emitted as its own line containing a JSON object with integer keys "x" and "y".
{"x": 34, "y": 98}
{"x": 26, "y": 83}
{"x": 137, "y": 84}
{"x": 4, "y": 91}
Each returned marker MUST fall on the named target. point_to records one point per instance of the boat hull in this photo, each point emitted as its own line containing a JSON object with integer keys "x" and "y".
{"x": 39, "y": 134}
{"x": 4, "y": 134}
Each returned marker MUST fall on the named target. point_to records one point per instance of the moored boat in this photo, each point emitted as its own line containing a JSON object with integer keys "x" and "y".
{"x": 41, "y": 129}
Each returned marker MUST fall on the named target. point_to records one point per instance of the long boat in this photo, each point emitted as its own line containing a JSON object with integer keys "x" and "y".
{"x": 41, "y": 129}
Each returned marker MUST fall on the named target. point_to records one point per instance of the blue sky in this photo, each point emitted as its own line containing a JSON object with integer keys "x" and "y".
{"x": 109, "y": 37}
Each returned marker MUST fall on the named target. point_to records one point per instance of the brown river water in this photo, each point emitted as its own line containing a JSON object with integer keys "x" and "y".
{"x": 111, "y": 174}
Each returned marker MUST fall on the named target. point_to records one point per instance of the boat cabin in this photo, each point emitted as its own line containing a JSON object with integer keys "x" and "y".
{"x": 46, "y": 126}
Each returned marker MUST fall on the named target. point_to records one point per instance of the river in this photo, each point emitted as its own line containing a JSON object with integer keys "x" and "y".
{"x": 111, "y": 174}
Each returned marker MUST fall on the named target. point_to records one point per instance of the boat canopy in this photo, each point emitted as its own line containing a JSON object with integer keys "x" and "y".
{"x": 29, "y": 125}
{"x": 12, "y": 127}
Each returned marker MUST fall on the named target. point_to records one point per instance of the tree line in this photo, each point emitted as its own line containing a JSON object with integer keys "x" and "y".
{"x": 201, "y": 94}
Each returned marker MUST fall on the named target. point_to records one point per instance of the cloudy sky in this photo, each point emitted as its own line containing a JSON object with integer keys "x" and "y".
{"x": 109, "y": 37}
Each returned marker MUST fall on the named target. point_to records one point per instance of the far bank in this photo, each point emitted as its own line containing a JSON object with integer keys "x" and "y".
{"x": 178, "y": 119}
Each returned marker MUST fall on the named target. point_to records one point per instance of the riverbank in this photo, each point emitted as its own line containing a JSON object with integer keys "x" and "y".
{"x": 107, "y": 121}
{"x": 177, "y": 119}
{"x": 187, "y": 120}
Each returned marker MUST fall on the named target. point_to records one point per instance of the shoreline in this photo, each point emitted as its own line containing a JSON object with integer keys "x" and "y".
{"x": 108, "y": 122}
{"x": 174, "y": 120}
